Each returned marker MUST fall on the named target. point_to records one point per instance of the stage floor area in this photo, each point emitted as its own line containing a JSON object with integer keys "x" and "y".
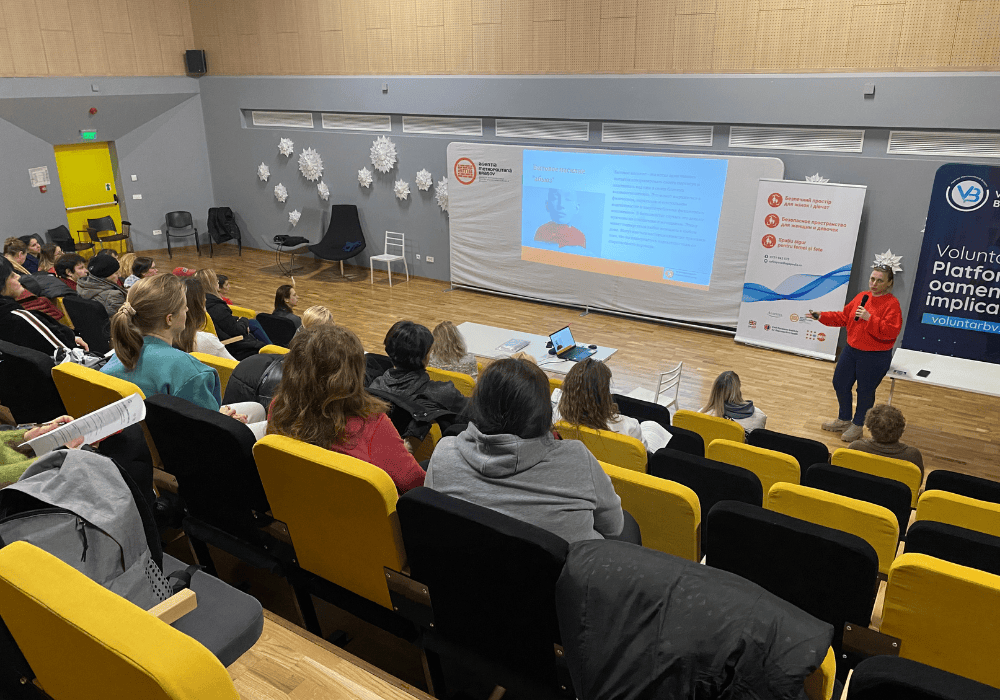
{"x": 954, "y": 430}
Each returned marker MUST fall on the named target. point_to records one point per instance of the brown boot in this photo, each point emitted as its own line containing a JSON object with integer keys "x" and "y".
{"x": 854, "y": 432}
{"x": 836, "y": 425}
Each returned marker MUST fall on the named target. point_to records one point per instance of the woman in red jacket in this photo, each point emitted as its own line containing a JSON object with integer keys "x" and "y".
{"x": 873, "y": 321}
{"x": 322, "y": 400}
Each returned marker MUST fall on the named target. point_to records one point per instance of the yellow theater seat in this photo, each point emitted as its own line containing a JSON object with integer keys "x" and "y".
{"x": 210, "y": 326}
{"x": 955, "y": 509}
{"x": 607, "y": 445}
{"x": 223, "y": 366}
{"x": 273, "y": 350}
{"x": 771, "y": 467}
{"x": 243, "y": 311}
{"x": 65, "y": 320}
{"x": 463, "y": 382}
{"x": 945, "y": 616}
{"x": 340, "y": 512}
{"x": 84, "y": 642}
{"x": 668, "y": 513}
{"x": 875, "y": 524}
{"x": 709, "y": 427}
{"x": 886, "y": 467}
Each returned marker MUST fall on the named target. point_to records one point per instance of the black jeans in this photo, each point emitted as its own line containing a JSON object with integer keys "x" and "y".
{"x": 867, "y": 368}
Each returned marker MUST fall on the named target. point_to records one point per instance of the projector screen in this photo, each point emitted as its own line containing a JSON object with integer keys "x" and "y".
{"x": 660, "y": 235}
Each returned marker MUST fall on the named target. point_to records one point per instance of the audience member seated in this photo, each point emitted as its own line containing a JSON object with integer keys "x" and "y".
{"x": 408, "y": 345}
{"x": 125, "y": 263}
{"x": 726, "y": 401}
{"x": 14, "y": 461}
{"x": 142, "y": 267}
{"x": 16, "y": 253}
{"x": 71, "y": 268}
{"x": 47, "y": 259}
{"x": 224, "y": 290}
{"x": 585, "y": 399}
{"x": 449, "y": 351}
{"x": 508, "y": 460}
{"x": 193, "y": 338}
{"x": 226, "y": 324}
{"x": 322, "y": 400}
{"x": 886, "y": 425}
{"x": 101, "y": 284}
{"x": 109, "y": 251}
{"x": 16, "y": 329}
{"x": 143, "y": 331}
{"x": 34, "y": 244}
{"x": 33, "y": 302}
{"x": 285, "y": 300}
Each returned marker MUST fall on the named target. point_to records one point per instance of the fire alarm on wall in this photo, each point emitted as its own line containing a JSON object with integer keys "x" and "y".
{"x": 93, "y": 111}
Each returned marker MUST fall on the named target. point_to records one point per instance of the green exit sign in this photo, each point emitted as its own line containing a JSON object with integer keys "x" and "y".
{"x": 88, "y": 134}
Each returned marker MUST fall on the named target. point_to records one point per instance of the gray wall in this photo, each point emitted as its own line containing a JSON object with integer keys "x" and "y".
{"x": 898, "y": 187}
{"x": 156, "y": 125}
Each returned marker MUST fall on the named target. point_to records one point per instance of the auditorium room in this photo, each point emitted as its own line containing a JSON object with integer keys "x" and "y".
{"x": 482, "y": 349}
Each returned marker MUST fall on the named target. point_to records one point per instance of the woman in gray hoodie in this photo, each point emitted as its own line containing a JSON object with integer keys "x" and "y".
{"x": 509, "y": 461}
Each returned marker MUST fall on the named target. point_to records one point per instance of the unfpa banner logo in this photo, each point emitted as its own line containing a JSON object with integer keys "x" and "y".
{"x": 967, "y": 193}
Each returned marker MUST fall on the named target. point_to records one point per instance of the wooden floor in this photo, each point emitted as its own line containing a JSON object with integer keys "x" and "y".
{"x": 954, "y": 430}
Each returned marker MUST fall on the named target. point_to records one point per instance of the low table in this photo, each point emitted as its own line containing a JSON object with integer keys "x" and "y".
{"x": 484, "y": 340}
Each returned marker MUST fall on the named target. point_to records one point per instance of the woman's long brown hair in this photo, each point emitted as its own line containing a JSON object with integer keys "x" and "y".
{"x": 586, "y": 398}
{"x": 322, "y": 385}
{"x": 188, "y": 340}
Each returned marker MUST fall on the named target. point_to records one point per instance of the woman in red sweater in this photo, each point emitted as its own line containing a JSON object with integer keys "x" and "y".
{"x": 322, "y": 400}
{"x": 873, "y": 321}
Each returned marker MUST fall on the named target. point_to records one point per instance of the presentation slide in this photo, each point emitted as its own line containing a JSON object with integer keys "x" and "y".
{"x": 653, "y": 218}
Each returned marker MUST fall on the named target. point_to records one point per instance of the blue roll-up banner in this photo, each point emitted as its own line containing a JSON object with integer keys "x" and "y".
{"x": 955, "y": 307}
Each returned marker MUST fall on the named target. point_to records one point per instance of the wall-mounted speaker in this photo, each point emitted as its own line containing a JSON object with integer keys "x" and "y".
{"x": 196, "y": 63}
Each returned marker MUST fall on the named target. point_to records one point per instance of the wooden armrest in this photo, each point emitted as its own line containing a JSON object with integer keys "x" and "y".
{"x": 234, "y": 339}
{"x": 175, "y": 607}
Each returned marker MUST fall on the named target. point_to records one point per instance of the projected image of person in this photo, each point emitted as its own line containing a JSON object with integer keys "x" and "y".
{"x": 562, "y": 206}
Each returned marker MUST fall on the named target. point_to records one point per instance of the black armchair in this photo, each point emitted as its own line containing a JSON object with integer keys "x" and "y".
{"x": 344, "y": 238}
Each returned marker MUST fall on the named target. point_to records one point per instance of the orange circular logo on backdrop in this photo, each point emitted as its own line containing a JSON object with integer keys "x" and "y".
{"x": 465, "y": 171}
{"x": 775, "y": 199}
{"x": 821, "y": 337}
{"x": 771, "y": 220}
{"x": 768, "y": 241}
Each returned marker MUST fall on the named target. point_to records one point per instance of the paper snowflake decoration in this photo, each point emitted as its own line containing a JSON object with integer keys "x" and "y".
{"x": 293, "y": 216}
{"x": 424, "y": 180}
{"x": 441, "y": 193}
{"x": 817, "y": 178}
{"x": 402, "y": 189}
{"x": 889, "y": 260}
{"x": 324, "y": 191}
{"x": 383, "y": 154}
{"x": 263, "y": 172}
{"x": 280, "y": 192}
{"x": 310, "y": 165}
{"x": 365, "y": 177}
{"x": 286, "y": 147}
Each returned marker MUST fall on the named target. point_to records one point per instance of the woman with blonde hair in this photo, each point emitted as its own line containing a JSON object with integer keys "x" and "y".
{"x": 317, "y": 315}
{"x": 228, "y": 325}
{"x": 143, "y": 332}
{"x": 193, "y": 338}
{"x": 322, "y": 400}
{"x": 585, "y": 399}
{"x": 726, "y": 401}
{"x": 15, "y": 250}
{"x": 125, "y": 263}
{"x": 449, "y": 351}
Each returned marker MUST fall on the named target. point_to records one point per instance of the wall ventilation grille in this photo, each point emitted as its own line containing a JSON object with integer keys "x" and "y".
{"x": 944, "y": 143}
{"x": 543, "y": 129}
{"x": 840, "y": 140}
{"x": 291, "y": 120}
{"x": 459, "y": 126}
{"x": 676, "y": 134}
{"x": 357, "y": 122}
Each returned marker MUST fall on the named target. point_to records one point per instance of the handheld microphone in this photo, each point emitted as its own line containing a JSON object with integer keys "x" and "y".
{"x": 864, "y": 300}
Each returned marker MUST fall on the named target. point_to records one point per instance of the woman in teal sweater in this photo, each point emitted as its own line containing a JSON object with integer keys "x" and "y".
{"x": 143, "y": 332}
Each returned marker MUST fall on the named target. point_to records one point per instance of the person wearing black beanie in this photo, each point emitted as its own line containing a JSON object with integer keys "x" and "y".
{"x": 102, "y": 283}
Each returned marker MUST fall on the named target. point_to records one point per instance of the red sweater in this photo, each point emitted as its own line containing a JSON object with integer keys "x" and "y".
{"x": 377, "y": 442}
{"x": 30, "y": 302}
{"x": 877, "y": 333}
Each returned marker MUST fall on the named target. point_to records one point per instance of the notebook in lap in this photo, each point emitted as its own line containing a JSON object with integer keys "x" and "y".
{"x": 566, "y": 348}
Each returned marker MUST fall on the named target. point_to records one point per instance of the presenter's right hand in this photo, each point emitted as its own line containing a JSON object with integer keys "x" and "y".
{"x": 814, "y": 315}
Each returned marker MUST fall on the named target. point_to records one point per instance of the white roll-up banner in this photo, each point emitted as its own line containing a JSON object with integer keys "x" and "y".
{"x": 801, "y": 251}
{"x": 663, "y": 235}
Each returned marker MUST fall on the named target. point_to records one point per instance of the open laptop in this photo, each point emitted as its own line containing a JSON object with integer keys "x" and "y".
{"x": 566, "y": 348}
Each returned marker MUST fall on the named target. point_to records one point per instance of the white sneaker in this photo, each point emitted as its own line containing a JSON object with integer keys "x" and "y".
{"x": 836, "y": 425}
{"x": 852, "y": 433}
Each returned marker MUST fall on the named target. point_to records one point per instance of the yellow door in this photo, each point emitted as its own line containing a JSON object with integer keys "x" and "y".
{"x": 88, "y": 186}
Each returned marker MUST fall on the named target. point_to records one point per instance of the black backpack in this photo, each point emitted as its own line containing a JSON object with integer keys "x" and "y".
{"x": 222, "y": 225}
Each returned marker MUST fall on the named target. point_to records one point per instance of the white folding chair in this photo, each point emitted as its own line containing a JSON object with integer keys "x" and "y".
{"x": 671, "y": 379}
{"x": 393, "y": 240}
